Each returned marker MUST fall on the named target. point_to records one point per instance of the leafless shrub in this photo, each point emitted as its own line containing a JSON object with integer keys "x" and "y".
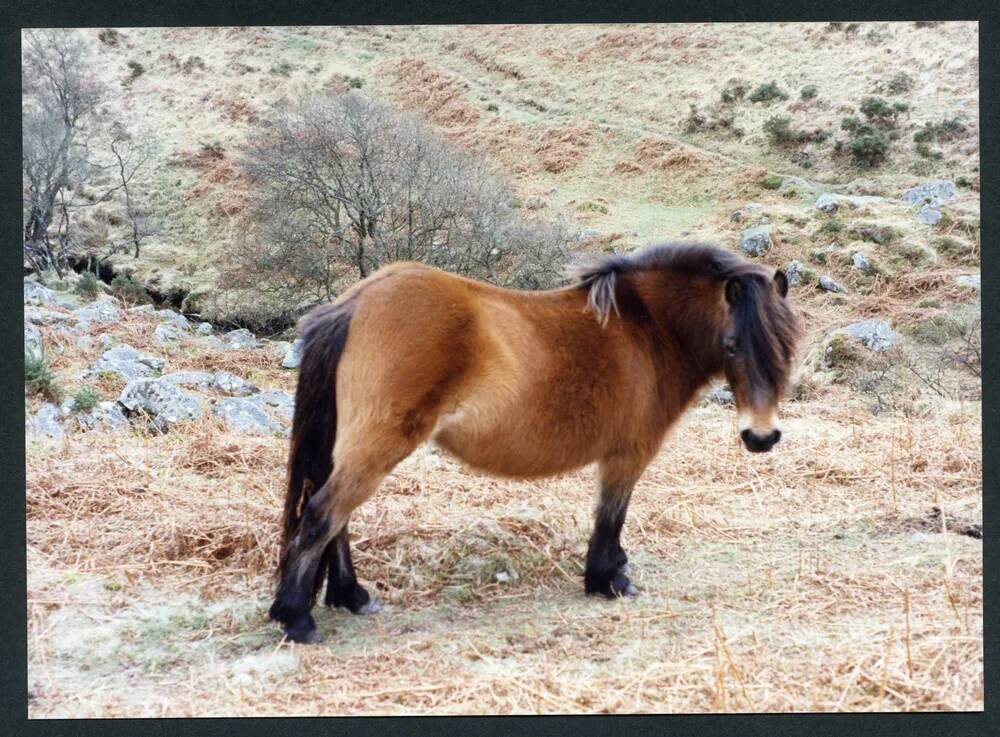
{"x": 344, "y": 184}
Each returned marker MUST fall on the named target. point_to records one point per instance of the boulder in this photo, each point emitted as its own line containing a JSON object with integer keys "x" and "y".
{"x": 874, "y": 334}
{"x": 40, "y": 316}
{"x": 125, "y": 360}
{"x": 934, "y": 193}
{"x": 829, "y": 285}
{"x": 794, "y": 273}
{"x": 830, "y": 202}
{"x": 860, "y": 261}
{"x": 756, "y": 241}
{"x": 277, "y": 401}
{"x": 241, "y": 338}
{"x": 174, "y": 318}
{"x": 586, "y": 233}
{"x": 106, "y": 415}
{"x": 928, "y": 215}
{"x": 203, "y": 328}
{"x": 104, "y": 310}
{"x": 200, "y": 379}
{"x": 167, "y": 333}
{"x": 142, "y": 310}
{"x": 32, "y": 339}
{"x": 164, "y": 402}
{"x": 45, "y": 422}
{"x": 246, "y": 416}
{"x": 41, "y": 295}
{"x": 293, "y": 356}
{"x": 233, "y": 384}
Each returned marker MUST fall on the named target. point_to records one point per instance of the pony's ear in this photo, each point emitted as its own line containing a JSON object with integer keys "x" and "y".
{"x": 781, "y": 282}
{"x": 734, "y": 290}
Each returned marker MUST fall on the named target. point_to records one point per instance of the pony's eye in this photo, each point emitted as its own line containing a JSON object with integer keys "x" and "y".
{"x": 731, "y": 346}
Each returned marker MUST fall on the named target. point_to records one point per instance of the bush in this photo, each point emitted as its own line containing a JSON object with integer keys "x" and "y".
{"x": 899, "y": 84}
{"x": 85, "y": 399}
{"x": 39, "y": 377}
{"x": 833, "y": 225}
{"x": 735, "y": 90}
{"x": 130, "y": 291}
{"x": 767, "y": 93}
{"x": 714, "y": 120}
{"x": 780, "y": 132}
{"x": 88, "y": 285}
{"x": 809, "y": 92}
{"x": 868, "y": 151}
{"x": 927, "y": 152}
{"x": 872, "y": 233}
{"x": 770, "y": 181}
{"x": 948, "y": 129}
{"x": 882, "y": 113}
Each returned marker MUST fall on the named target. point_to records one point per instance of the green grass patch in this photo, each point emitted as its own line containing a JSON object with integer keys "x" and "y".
{"x": 39, "y": 378}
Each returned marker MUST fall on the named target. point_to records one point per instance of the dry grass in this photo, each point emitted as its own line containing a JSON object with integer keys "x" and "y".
{"x": 814, "y": 578}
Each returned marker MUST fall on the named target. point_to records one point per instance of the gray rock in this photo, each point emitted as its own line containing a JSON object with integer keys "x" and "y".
{"x": 829, "y": 285}
{"x": 719, "y": 395}
{"x": 84, "y": 343}
{"x": 164, "y": 402}
{"x": 143, "y": 310}
{"x": 586, "y": 233}
{"x": 794, "y": 272}
{"x": 737, "y": 216}
{"x": 293, "y": 356}
{"x": 241, "y": 338}
{"x": 203, "y": 328}
{"x": 200, "y": 379}
{"x": 753, "y": 208}
{"x": 233, "y": 384}
{"x": 277, "y": 401}
{"x": 534, "y": 202}
{"x": 860, "y": 261}
{"x": 875, "y": 335}
{"x": 756, "y": 241}
{"x": 215, "y": 343}
{"x": 928, "y": 215}
{"x": 106, "y": 415}
{"x": 969, "y": 280}
{"x": 105, "y": 341}
{"x": 41, "y": 295}
{"x": 32, "y": 339}
{"x": 936, "y": 192}
{"x": 797, "y": 184}
{"x": 246, "y": 416}
{"x": 105, "y": 310}
{"x": 40, "y": 316}
{"x": 174, "y": 318}
{"x": 830, "y": 202}
{"x": 45, "y": 422}
{"x": 125, "y": 360}
{"x": 167, "y": 333}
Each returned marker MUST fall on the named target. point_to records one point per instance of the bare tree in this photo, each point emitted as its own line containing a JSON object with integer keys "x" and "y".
{"x": 344, "y": 184}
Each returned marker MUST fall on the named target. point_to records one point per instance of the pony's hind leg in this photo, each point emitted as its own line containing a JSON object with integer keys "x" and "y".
{"x": 342, "y": 587}
{"x": 606, "y": 560}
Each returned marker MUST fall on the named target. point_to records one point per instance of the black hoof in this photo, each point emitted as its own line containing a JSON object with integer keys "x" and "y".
{"x": 303, "y": 631}
{"x": 612, "y": 586}
{"x": 355, "y": 599}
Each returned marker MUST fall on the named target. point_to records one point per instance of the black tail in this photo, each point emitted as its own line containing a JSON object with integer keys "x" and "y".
{"x": 314, "y": 424}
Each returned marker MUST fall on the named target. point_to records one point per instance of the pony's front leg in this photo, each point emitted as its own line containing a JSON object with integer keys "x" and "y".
{"x": 607, "y": 563}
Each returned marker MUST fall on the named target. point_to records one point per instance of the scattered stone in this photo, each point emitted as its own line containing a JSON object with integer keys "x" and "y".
{"x": 105, "y": 415}
{"x": 215, "y": 343}
{"x": 174, "y": 318}
{"x": 928, "y": 215}
{"x": 125, "y": 360}
{"x": 143, "y": 310}
{"x": 167, "y": 333}
{"x": 293, "y": 356}
{"x": 233, "y": 384}
{"x": 874, "y": 334}
{"x": 534, "y": 202}
{"x": 753, "y": 208}
{"x": 586, "y": 233}
{"x": 935, "y": 193}
{"x": 245, "y": 415}
{"x": 830, "y": 202}
{"x": 164, "y": 402}
{"x": 737, "y": 216}
{"x": 45, "y": 422}
{"x": 241, "y": 338}
{"x": 105, "y": 310}
{"x": 969, "y": 280}
{"x": 829, "y": 285}
{"x": 756, "y": 241}
{"x": 200, "y": 379}
{"x": 32, "y": 339}
{"x": 719, "y": 395}
{"x": 795, "y": 184}
{"x": 47, "y": 317}
{"x": 105, "y": 341}
{"x": 203, "y": 328}
{"x": 278, "y": 401}
{"x": 795, "y": 272}
{"x": 41, "y": 295}
{"x": 84, "y": 343}
{"x": 860, "y": 261}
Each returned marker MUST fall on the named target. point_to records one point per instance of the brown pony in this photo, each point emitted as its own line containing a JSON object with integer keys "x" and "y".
{"x": 519, "y": 384}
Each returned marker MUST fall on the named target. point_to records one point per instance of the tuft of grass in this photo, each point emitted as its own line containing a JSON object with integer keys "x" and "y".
{"x": 88, "y": 285}
{"x": 85, "y": 399}
{"x": 809, "y": 92}
{"x": 39, "y": 377}
{"x": 768, "y": 93}
{"x": 900, "y": 84}
{"x": 129, "y": 290}
{"x": 735, "y": 90}
{"x": 948, "y": 129}
{"x": 770, "y": 181}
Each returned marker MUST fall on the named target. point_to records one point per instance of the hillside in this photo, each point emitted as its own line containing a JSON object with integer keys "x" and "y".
{"x": 842, "y": 571}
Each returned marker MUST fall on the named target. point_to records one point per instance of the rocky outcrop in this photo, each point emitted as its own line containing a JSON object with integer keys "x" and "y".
{"x": 128, "y": 362}
{"x": 875, "y": 335}
{"x": 163, "y": 402}
{"x": 756, "y": 241}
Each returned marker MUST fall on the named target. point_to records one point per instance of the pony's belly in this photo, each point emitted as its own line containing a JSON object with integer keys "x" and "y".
{"x": 514, "y": 450}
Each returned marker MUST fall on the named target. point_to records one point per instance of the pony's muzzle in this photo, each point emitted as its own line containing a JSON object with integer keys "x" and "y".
{"x": 760, "y": 443}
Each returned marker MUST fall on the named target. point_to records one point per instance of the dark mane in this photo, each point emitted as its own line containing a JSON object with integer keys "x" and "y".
{"x": 600, "y": 277}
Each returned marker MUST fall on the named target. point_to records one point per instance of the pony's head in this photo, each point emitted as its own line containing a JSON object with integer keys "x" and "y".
{"x": 722, "y": 314}
{"x": 758, "y": 342}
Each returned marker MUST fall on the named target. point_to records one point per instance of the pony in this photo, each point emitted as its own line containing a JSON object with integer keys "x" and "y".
{"x": 518, "y": 384}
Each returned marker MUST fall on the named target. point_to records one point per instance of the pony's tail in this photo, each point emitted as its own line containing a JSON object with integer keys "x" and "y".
{"x": 314, "y": 423}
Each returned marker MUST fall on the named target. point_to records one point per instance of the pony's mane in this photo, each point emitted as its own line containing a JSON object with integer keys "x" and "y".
{"x": 600, "y": 277}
